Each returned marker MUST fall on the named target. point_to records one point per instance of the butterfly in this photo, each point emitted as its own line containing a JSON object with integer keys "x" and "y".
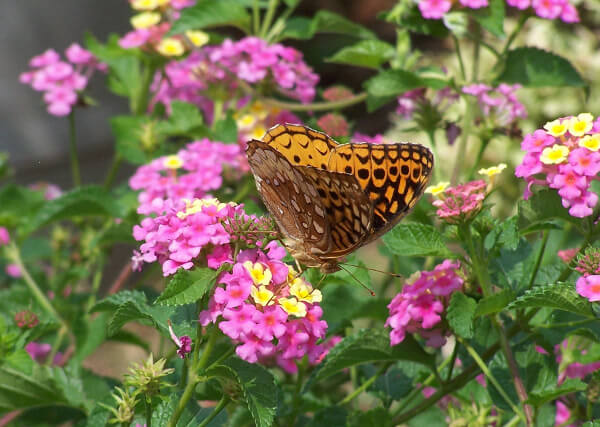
{"x": 329, "y": 199}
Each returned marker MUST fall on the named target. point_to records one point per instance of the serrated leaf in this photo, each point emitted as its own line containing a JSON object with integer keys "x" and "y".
{"x": 211, "y": 13}
{"x": 326, "y": 21}
{"x": 365, "y": 53}
{"x": 461, "y": 312}
{"x": 559, "y": 296}
{"x": 415, "y": 239}
{"x": 492, "y": 17}
{"x": 376, "y": 417}
{"x": 539, "y": 208}
{"x": 127, "y": 131}
{"x": 187, "y": 286}
{"x": 533, "y": 67}
{"x": 368, "y": 345}
{"x": 394, "y": 383}
{"x": 83, "y": 201}
{"x": 494, "y": 303}
{"x": 132, "y": 311}
{"x": 112, "y": 302}
{"x": 184, "y": 118}
{"x": 89, "y": 336}
{"x": 257, "y": 385}
{"x": 571, "y": 385}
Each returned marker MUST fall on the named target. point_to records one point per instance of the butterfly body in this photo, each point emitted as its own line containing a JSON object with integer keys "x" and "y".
{"x": 330, "y": 199}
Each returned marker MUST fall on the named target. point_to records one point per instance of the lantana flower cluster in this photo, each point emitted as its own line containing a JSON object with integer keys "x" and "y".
{"x": 462, "y": 202}
{"x": 271, "y": 313}
{"x": 564, "y": 156}
{"x": 153, "y": 22}
{"x": 250, "y": 60}
{"x": 547, "y": 9}
{"x": 501, "y": 102}
{"x": 190, "y": 174}
{"x": 176, "y": 238}
{"x": 61, "y": 81}
{"x": 418, "y": 308}
{"x": 588, "y": 264}
{"x": 410, "y": 101}
{"x": 254, "y": 119}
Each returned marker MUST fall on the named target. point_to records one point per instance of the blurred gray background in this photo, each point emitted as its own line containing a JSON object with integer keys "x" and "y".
{"x": 36, "y": 141}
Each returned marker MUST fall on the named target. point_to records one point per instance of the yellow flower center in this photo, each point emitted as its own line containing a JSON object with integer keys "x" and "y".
{"x": 554, "y": 155}
{"x": 197, "y": 38}
{"x": 437, "y": 189}
{"x": 144, "y": 4}
{"x": 258, "y": 132}
{"x": 170, "y": 47}
{"x": 262, "y": 295}
{"x": 145, "y": 20}
{"x": 173, "y": 162}
{"x": 246, "y": 121}
{"x": 293, "y": 306}
{"x": 591, "y": 142}
{"x": 303, "y": 292}
{"x": 260, "y": 275}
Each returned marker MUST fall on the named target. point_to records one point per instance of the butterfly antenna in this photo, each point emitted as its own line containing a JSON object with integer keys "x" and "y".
{"x": 374, "y": 269}
{"x": 359, "y": 282}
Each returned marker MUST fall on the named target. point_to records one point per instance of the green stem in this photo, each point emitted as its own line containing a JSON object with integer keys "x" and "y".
{"x": 268, "y": 18}
{"x": 461, "y": 63}
{"x": 112, "y": 172}
{"x": 515, "y": 33}
{"x": 185, "y": 397}
{"x": 538, "y": 260}
{"x": 203, "y": 360}
{"x": 57, "y": 343}
{"x": 139, "y": 103}
{"x": 148, "y": 407}
{"x": 476, "y": 51}
{"x": 73, "y": 150}
{"x": 482, "y": 148}
{"x": 216, "y": 411}
{"x": 255, "y": 18}
{"x": 491, "y": 378}
{"x": 365, "y": 385}
{"x": 465, "y": 132}
{"x": 453, "y": 361}
{"x": 316, "y": 106}
{"x": 217, "y": 112}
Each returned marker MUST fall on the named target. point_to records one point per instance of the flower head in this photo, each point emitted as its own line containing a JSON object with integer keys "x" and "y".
{"x": 462, "y": 202}
{"x": 437, "y": 189}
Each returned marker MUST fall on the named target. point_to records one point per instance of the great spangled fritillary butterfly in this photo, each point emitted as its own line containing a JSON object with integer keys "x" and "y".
{"x": 328, "y": 199}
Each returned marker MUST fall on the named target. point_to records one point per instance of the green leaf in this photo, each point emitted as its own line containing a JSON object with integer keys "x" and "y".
{"x": 128, "y": 131}
{"x": 326, "y": 21}
{"x": 365, "y": 53}
{"x": 415, "y": 239}
{"x": 494, "y": 303}
{"x": 83, "y": 201}
{"x": 38, "y": 386}
{"x": 89, "y": 336}
{"x": 376, "y": 417}
{"x": 492, "y": 17}
{"x": 257, "y": 387}
{"x": 331, "y": 416}
{"x": 112, "y": 302}
{"x": 18, "y": 205}
{"x": 187, "y": 286}
{"x": 225, "y": 130}
{"x": 571, "y": 385}
{"x": 559, "y": 296}
{"x": 131, "y": 311}
{"x": 394, "y": 383}
{"x": 211, "y": 13}
{"x": 184, "y": 118}
{"x": 533, "y": 67}
{"x": 541, "y": 207}
{"x": 414, "y": 21}
{"x": 299, "y": 28}
{"x": 369, "y": 345}
{"x": 460, "y": 314}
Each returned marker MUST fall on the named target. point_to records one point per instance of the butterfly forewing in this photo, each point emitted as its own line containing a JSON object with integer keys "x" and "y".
{"x": 300, "y": 145}
{"x": 290, "y": 196}
{"x": 393, "y": 176}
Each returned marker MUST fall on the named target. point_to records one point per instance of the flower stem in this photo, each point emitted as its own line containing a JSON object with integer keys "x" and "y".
{"x": 461, "y": 63}
{"x": 112, "y": 172}
{"x": 217, "y": 112}
{"x": 364, "y": 385}
{"x": 148, "y": 407}
{"x": 465, "y": 132}
{"x": 538, "y": 260}
{"x": 489, "y": 375}
{"x": 316, "y": 106}
{"x": 255, "y": 18}
{"x": 73, "y": 150}
{"x": 268, "y": 18}
{"x": 216, "y": 411}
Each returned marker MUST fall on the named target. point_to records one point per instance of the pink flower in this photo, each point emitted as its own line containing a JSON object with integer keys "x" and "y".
{"x": 562, "y": 414}
{"x": 337, "y": 93}
{"x": 4, "y": 236}
{"x": 570, "y": 185}
{"x": 434, "y": 9}
{"x": 271, "y": 323}
{"x": 333, "y": 124}
{"x": 548, "y": 9}
{"x": 13, "y": 271}
{"x": 47, "y": 58}
{"x": 567, "y": 255}
{"x": 474, "y": 4}
{"x": 499, "y": 102}
{"x": 519, "y": 4}
{"x": 40, "y": 351}
{"x": 26, "y": 319}
{"x": 462, "y": 202}
{"x": 183, "y": 343}
{"x": 409, "y": 101}
{"x": 135, "y": 38}
{"x": 78, "y": 55}
{"x": 418, "y": 308}
{"x": 589, "y": 287}
{"x": 585, "y": 162}
{"x": 361, "y": 137}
